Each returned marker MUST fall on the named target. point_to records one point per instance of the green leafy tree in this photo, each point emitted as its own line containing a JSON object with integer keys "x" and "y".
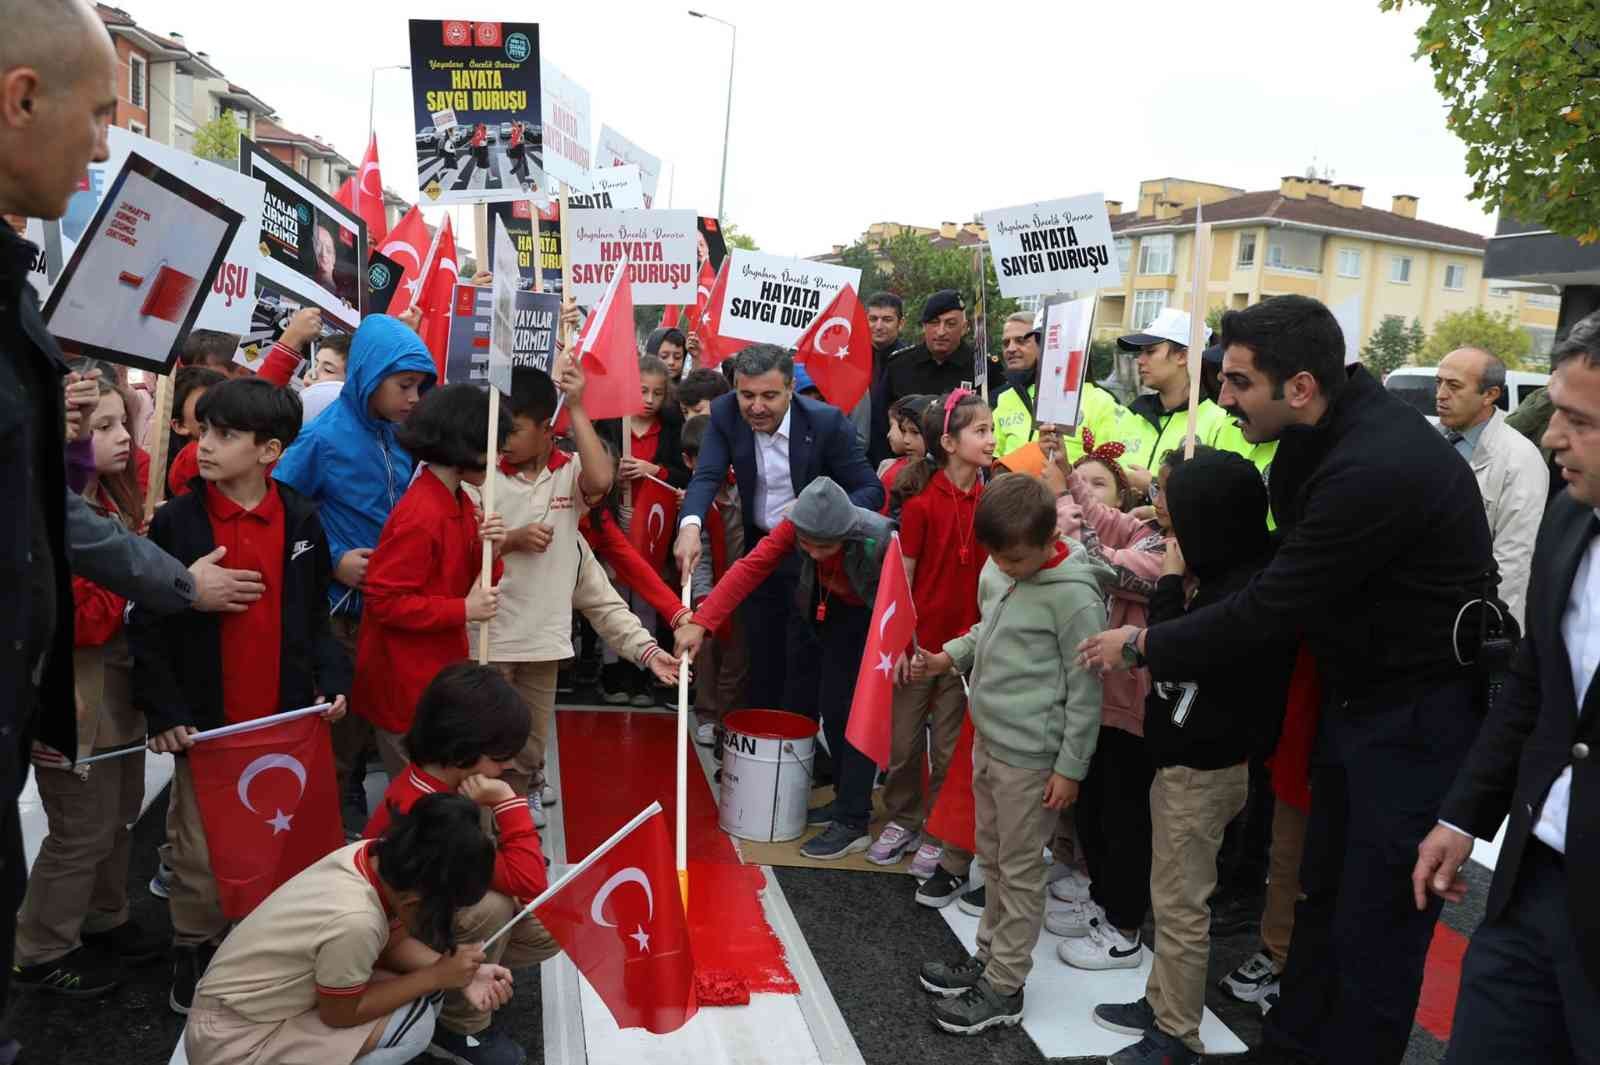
{"x": 1520, "y": 81}
{"x": 1214, "y": 317}
{"x": 1392, "y": 344}
{"x": 1497, "y": 334}
{"x": 738, "y": 238}
{"x": 1102, "y": 358}
{"x": 218, "y": 140}
{"x": 913, "y": 269}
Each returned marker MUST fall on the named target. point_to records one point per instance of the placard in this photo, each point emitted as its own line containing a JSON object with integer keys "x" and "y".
{"x": 310, "y": 244}
{"x": 771, "y": 300}
{"x": 564, "y": 105}
{"x": 519, "y": 221}
{"x": 713, "y": 245}
{"x": 383, "y": 281}
{"x": 550, "y": 246}
{"x": 533, "y": 340}
{"x": 1057, "y": 246}
{"x": 1063, "y": 361}
{"x": 272, "y": 309}
{"x": 660, "y": 246}
{"x": 503, "y": 323}
{"x": 612, "y": 188}
{"x": 485, "y": 75}
{"x": 616, "y": 150}
{"x": 38, "y": 272}
{"x": 132, "y": 289}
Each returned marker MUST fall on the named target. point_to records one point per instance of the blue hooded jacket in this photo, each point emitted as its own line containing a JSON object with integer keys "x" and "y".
{"x": 347, "y": 460}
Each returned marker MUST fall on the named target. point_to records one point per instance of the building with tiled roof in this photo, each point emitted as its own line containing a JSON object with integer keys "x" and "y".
{"x": 310, "y": 157}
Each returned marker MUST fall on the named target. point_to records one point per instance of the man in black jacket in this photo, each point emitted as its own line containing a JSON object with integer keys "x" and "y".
{"x": 945, "y": 358}
{"x": 1530, "y": 984}
{"x": 1385, "y": 540}
{"x": 885, "y": 315}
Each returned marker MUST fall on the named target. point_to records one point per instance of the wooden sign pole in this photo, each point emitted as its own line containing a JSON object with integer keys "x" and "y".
{"x": 162, "y": 424}
{"x": 1197, "y": 323}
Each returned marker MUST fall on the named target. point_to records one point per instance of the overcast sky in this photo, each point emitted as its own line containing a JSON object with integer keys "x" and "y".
{"x": 846, "y": 113}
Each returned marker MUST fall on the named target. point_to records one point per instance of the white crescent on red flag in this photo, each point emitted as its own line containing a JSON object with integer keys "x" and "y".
{"x": 837, "y": 350}
{"x": 894, "y": 623}
{"x": 408, "y": 244}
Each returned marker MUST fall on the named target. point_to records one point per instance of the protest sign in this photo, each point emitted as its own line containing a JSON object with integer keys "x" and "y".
{"x": 471, "y": 313}
{"x": 228, "y": 303}
{"x": 519, "y": 221}
{"x": 503, "y": 323}
{"x": 660, "y": 247}
{"x": 1057, "y": 246}
{"x": 616, "y": 150}
{"x": 611, "y": 188}
{"x": 713, "y": 245}
{"x": 550, "y": 246}
{"x": 486, "y": 76}
{"x": 565, "y": 110}
{"x": 38, "y": 272}
{"x": 1063, "y": 361}
{"x": 769, "y": 299}
{"x": 311, "y": 245}
{"x": 383, "y": 281}
{"x": 274, "y": 306}
{"x": 132, "y": 290}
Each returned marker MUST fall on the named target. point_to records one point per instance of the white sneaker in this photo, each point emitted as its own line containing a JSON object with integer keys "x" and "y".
{"x": 705, "y": 733}
{"x": 1250, "y": 981}
{"x": 1073, "y": 920}
{"x": 547, "y": 795}
{"x": 1070, "y": 885}
{"x": 536, "y": 808}
{"x": 1103, "y": 948}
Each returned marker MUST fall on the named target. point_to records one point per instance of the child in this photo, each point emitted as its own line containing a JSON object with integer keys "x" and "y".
{"x": 698, "y": 390}
{"x": 188, "y": 386}
{"x": 841, "y": 548}
{"x": 1201, "y": 732}
{"x": 668, "y": 345}
{"x": 325, "y": 379}
{"x": 1035, "y": 714}
{"x": 422, "y": 586}
{"x": 470, "y": 728}
{"x": 352, "y": 468}
{"x": 196, "y": 671}
{"x": 905, "y": 441}
{"x": 937, "y": 500}
{"x": 723, "y": 664}
{"x": 326, "y": 969}
{"x": 73, "y": 929}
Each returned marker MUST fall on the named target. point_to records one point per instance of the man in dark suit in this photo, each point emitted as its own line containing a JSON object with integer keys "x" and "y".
{"x": 1530, "y": 985}
{"x": 776, "y": 443}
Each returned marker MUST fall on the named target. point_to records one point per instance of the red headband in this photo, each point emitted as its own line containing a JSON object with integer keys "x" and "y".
{"x": 1105, "y": 452}
{"x": 952, "y": 401}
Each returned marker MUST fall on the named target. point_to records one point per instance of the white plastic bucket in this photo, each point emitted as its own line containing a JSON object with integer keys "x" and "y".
{"x": 766, "y": 774}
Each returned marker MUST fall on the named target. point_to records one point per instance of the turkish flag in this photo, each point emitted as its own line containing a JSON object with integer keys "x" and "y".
{"x": 408, "y": 245}
{"x": 608, "y": 350}
{"x": 655, "y": 518}
{"x": 708, "y": 317}
{"x": 363, "y": 194}
{"x": 894, "y": 623}
{"x": 837, "y": 350}
{"x": 621, "y": 922}
{"x": 954, "y": 819}
{"x": 671, "y": 314}
{"x": 269, "y": 805}
{"x": 437, "y": 295}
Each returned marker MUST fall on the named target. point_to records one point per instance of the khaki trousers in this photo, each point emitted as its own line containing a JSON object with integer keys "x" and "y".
{"x": 195, "y": 907}
{"x": 1013, "y": 828}
{"x": 1189, "y": 809}
{"x": 79, "y": 882}
{"x": 526, "y": 944}
{"x": 720, "y": 671}
{"x": 536, "y": 683}
{"x": 934, "y": 704}
{"x": 1283, "y": 880}
{"x": 351, "y": 734}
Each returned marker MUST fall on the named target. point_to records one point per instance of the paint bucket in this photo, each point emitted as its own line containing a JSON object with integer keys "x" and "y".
{"x": 766, "y": 774}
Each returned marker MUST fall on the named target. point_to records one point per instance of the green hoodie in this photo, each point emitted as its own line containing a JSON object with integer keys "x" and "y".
{"x": 1033, "y": 706}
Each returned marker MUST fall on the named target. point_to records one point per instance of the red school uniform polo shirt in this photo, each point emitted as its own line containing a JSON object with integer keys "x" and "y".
{"x": 645, "y": 445}
{"x": 252, "y": 641}
{"x": 936, "y": 529}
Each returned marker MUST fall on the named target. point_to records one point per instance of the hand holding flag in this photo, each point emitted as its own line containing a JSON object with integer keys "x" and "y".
{"x": 894, "y": 624}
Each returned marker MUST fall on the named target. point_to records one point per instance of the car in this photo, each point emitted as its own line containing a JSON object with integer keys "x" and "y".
{"x": 427, "y": 136}
{"x": 1418, "y": 385}
{"x": 505, "y": 131}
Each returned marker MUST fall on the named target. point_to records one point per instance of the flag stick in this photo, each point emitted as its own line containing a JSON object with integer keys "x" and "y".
{"x": 594, "y": 856}
{"x": 486, "y": 567}
{"x": 567, "y": 299}
{"x": 1197, "y": 322}
{"x": 219, "y": 733}
{"x": 162, "y": 426}
{"x": 663, "y": 484}
{"x": 683, "y": 767}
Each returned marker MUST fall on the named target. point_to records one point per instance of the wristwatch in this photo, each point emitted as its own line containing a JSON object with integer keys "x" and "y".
{"x": 1130, "y": 651}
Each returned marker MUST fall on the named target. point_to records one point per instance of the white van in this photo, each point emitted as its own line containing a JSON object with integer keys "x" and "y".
{"x": 1417, "y": 385}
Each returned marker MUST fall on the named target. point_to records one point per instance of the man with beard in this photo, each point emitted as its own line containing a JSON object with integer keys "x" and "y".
{"x": 885, "y": 316}
{"x": 943, "y": 361}
{"x": 1014, "y": 424}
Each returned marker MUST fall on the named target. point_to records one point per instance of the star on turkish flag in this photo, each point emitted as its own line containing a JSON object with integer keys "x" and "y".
{"x": 894, "y": 623}
{"x": 408, "y": 245}
{"x": 837, "y": 350}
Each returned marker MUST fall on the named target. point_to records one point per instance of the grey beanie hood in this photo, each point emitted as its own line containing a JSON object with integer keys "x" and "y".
{"x": 824, "y": 512}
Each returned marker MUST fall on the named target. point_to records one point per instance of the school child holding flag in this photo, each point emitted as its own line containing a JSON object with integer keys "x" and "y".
{"x": 194, "y": 671}
{"x": 422, "y": 586}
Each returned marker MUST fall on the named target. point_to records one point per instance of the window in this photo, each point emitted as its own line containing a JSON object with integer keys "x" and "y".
{"x": 1544, "y": 300}
{"x": 1499, "y": 292}
{"x": 1400, "y": 269}
{"x": 1124, "y": 254}
{"x": 1247, "y": 250}
{"x": 1155, "y": 255}
{"x": 1295, "y": 250}
{"x": 136, "y": 127}
{"x": 305, "y": 167}
{"x": 1455, "y": 277}
{"x": 1147, "y": 303}
{"x": 138, "y": 75}
{"x": 1349, "y": 262}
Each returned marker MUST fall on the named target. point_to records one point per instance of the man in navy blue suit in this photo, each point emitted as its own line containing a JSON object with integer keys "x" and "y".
{"x": 776, "y": 443}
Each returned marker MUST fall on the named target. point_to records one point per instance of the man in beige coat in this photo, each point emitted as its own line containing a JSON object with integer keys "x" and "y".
{"x": 1511, "y": 474}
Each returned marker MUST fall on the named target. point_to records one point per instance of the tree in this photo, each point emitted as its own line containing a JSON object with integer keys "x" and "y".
{"x": 1214, "y": 317}
{"x": 1497, "y": 334}
{"x": 1520, "y": 81}
{"x": 218, "y": 140}
{"x": 734, "y": 237}
{"x": 1391, "y": 345}
{"x": 913, "y": 269}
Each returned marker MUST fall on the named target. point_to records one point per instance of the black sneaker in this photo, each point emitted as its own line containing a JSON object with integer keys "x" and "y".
{"x": 488, "y": 1047}
{"x": 820, "y": 815}
{"x": 81, "y": 973}
{"x": 940, "y": 889}
{"x": 614, "y": 685}
{"x": 1126, "y": 1018}
{"x": 836, "y": 841}
{"x": 977, "y": 1008}
{"x": 188, "y": 965}
{"x": 971, "y": 902}
{"x": 950, "y": 978}
{"x": 1156, "y": 1048}
{"x": 128, "y": 942}
{"x": 564, "y": 682}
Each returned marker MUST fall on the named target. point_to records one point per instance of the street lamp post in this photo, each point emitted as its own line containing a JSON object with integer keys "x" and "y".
{"x": 372, "y": 93}
{"x": 727, "y": 121}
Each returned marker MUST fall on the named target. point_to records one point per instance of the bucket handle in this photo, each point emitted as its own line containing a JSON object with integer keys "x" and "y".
{"x": 788, "y": 748}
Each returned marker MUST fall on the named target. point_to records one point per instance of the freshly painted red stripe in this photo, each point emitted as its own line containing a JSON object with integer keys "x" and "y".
{"x": 1436, "y": 1009}
{"x": 612, "y": 766}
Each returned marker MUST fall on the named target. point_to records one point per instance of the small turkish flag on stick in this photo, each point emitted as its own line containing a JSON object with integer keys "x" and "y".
{"x": 837, "y": 351}
{"x": 894, "y": 624}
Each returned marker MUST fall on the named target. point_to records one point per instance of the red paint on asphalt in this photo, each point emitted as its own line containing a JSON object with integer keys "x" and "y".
{"x": 1436, "y": 1008}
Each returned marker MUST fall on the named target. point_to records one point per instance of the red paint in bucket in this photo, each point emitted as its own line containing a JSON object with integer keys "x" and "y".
{"x": 770, "y": 724}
